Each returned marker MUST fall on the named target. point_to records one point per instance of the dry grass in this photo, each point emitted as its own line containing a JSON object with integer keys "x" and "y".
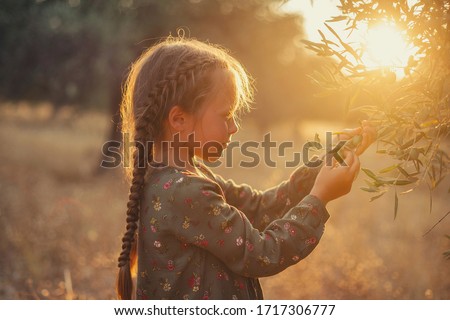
{"x": 62, "y": 222}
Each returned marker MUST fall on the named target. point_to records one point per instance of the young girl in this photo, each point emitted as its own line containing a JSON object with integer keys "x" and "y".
{"x": 200, "y": 236}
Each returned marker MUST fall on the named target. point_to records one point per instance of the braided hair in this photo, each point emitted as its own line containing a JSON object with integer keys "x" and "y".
{"x": 176, "y": 71}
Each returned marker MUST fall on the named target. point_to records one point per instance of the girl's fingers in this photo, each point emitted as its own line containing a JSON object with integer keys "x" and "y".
{"x": 370, "y": 130}
{"x": 354, "y": 168}
{"x": 352, "y": 161}
{"x": 368, "y": 137}
{"x": 357, "y": 130}
{"x": 364, "y": 144}
{"x": 349, "y": 158}
{"x": 329, "y": 167}
{"x": 347, "y": 134}
{"x": 353, "y": 164}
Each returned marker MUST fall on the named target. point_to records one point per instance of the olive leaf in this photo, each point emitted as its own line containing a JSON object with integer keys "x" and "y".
{"x": 410, "y": 112}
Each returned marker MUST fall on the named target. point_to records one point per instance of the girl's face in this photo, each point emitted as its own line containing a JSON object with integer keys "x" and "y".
{"x": 215, "y": 124}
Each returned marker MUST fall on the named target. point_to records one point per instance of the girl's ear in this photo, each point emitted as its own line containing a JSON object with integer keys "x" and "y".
{"x": 178, "y": 119}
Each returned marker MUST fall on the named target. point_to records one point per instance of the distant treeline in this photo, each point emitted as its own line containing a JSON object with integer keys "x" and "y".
{"x": 77, "y": 51}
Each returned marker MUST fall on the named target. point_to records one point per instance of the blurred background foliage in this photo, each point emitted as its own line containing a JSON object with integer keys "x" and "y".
{"x": 77, "y": 52}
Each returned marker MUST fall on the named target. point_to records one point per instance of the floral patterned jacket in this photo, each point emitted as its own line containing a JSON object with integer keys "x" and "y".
{"x": 204, "y": 238}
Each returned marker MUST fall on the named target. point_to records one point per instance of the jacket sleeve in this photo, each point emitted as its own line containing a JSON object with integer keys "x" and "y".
{"x": 225, "y": 231}
{"x": 262, "y": 207}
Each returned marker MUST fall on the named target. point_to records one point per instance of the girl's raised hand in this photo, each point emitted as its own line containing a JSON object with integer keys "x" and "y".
{"x": 336, "y": 180}
{"x": 361, "y": 138}
{"x": 369, "y": 135}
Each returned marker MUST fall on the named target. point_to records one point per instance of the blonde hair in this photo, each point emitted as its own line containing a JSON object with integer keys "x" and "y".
{"x": 176, "y": 71}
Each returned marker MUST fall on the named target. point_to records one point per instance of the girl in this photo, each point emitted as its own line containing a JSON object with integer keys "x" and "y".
{"x": 200, "y": 236}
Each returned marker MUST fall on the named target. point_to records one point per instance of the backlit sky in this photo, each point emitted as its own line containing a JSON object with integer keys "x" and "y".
{"x": 383, "y": 44}
{"x": 314, "y": 15}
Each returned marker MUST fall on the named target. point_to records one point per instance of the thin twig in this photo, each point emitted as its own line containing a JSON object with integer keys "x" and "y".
{"x": 436, "y": 224}
{"x": 68, "y": 284}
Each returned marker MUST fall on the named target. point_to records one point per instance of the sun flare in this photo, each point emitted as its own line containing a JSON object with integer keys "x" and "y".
{"x": 385, "y": 46}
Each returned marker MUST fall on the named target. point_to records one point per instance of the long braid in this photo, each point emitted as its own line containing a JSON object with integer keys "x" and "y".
{"x": 124, "y": 281}
{"x": 144, "y": 108}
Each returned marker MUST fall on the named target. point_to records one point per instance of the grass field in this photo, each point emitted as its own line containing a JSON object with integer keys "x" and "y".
{"x": 62, "y": 222}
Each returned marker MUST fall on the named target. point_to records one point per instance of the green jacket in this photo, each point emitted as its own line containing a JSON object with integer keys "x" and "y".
{"x": 211, "y": 239}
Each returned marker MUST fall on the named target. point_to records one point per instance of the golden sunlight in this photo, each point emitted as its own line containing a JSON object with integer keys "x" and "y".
{"x": 385, "y": 46}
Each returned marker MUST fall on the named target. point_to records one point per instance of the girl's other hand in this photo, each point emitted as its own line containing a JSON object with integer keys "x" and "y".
{"x": 367, "y": 133}
{"x": 336, "y": 180}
